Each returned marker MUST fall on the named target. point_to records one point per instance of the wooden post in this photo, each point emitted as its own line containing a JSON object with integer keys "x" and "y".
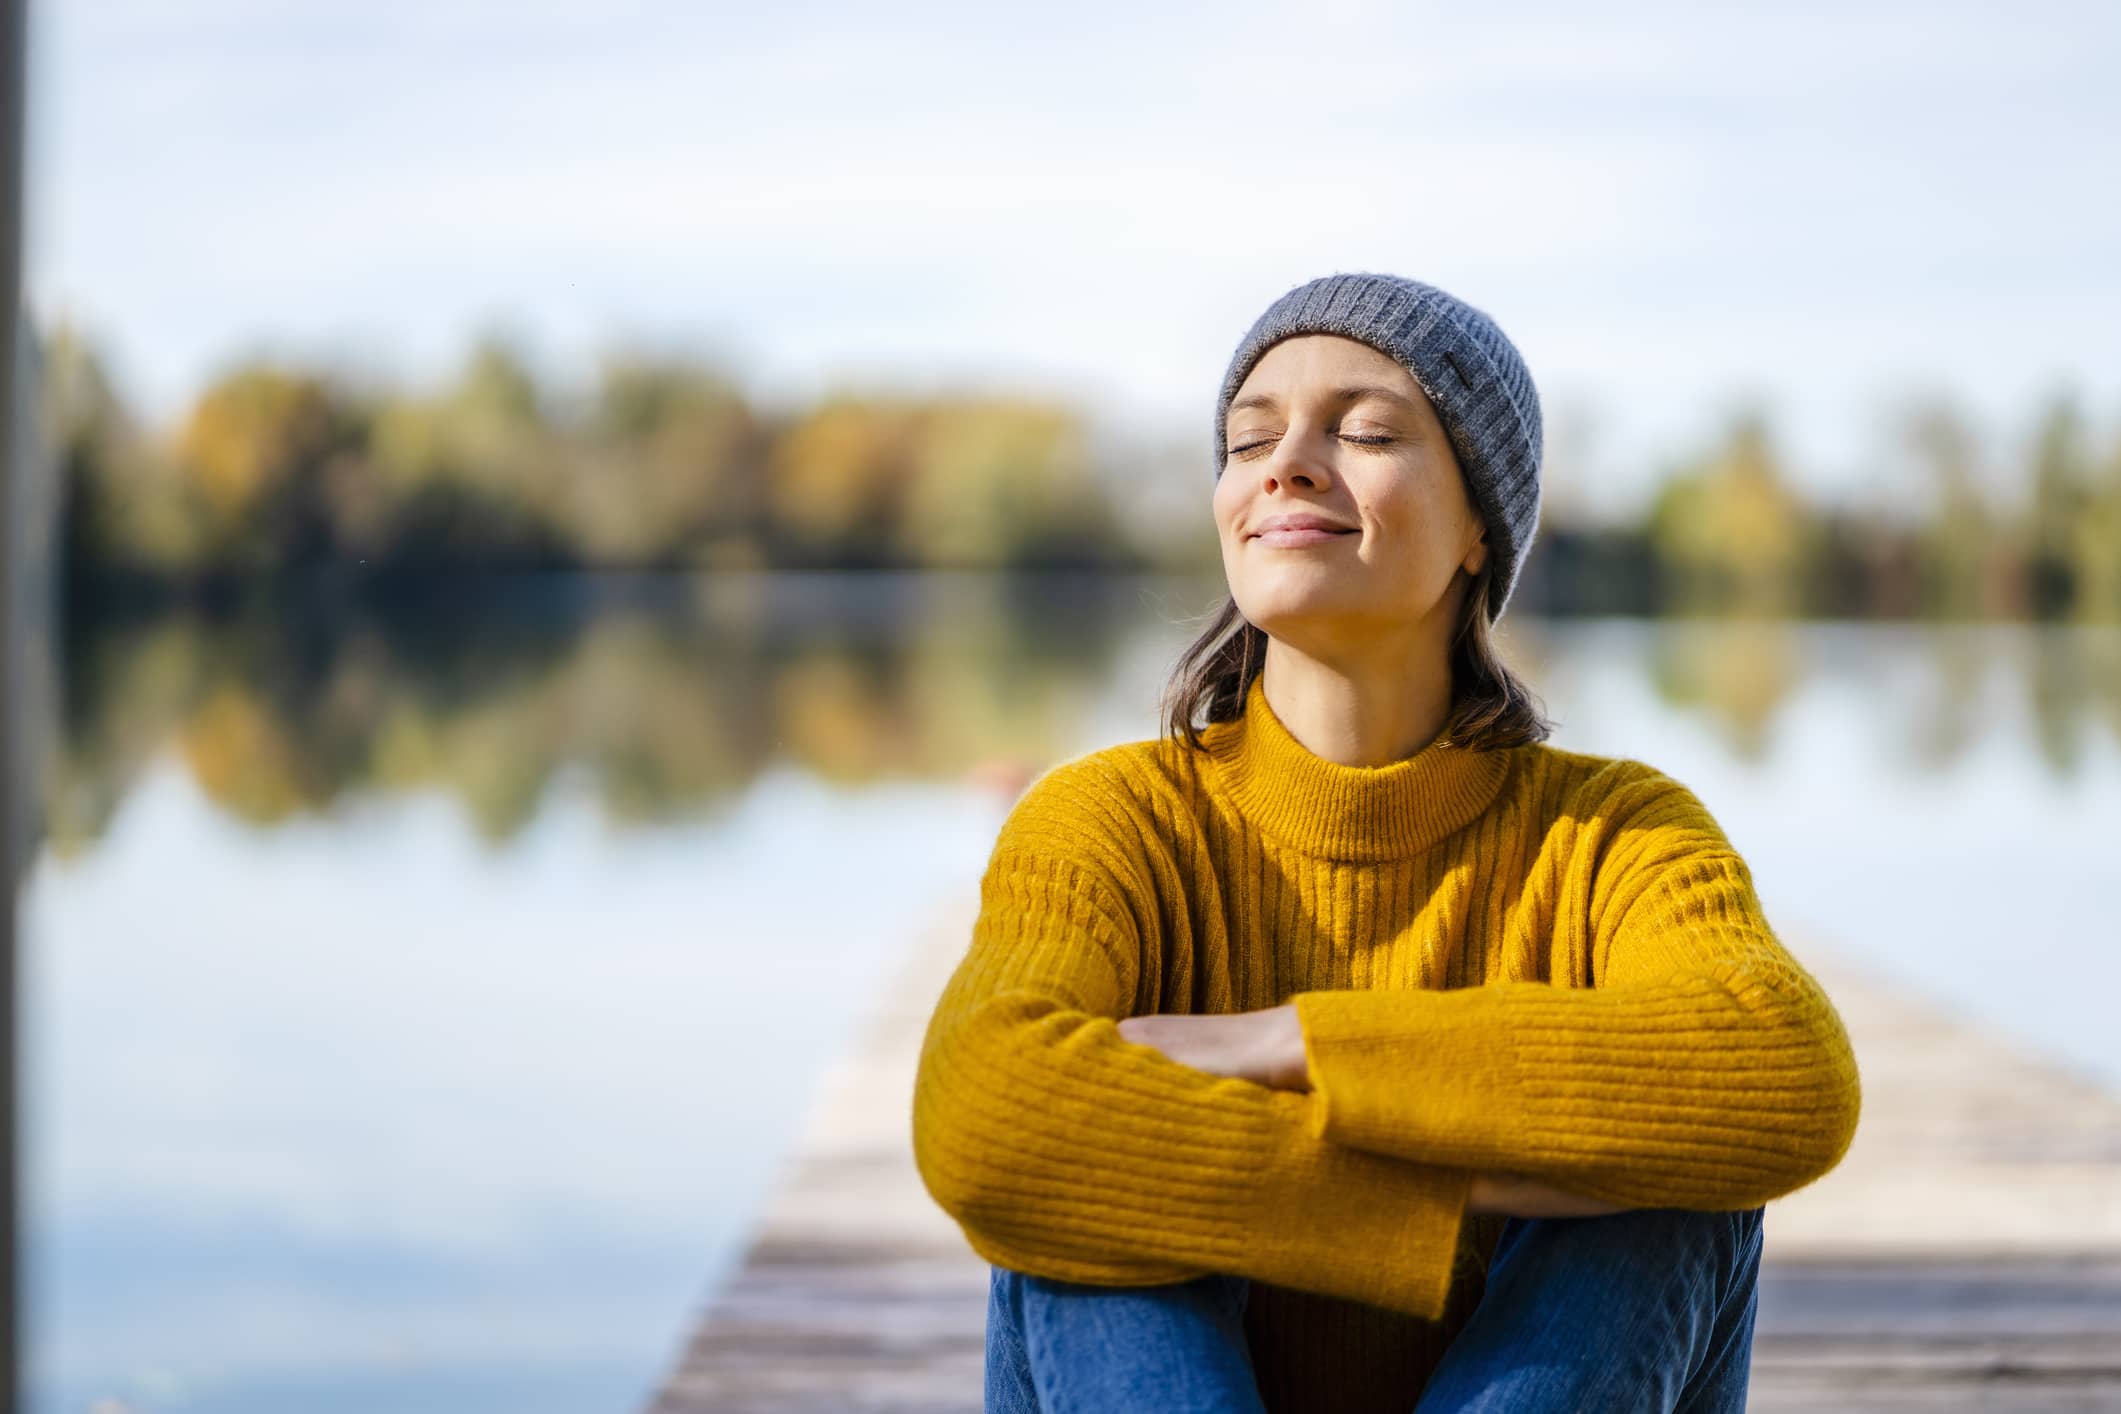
{"x": 16, "y": 538}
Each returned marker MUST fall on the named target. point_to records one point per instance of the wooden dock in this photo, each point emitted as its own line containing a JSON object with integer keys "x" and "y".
{"x": 1966, "y": 1254}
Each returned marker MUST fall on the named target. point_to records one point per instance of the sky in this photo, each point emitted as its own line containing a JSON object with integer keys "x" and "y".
{"x": 1672, "y": 209}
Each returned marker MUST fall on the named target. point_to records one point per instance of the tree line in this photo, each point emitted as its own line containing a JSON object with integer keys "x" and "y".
{"x": 664, "y": 463}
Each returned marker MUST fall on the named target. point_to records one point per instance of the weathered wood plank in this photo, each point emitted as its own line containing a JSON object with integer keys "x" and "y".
{"x": 1967, "y": 1146}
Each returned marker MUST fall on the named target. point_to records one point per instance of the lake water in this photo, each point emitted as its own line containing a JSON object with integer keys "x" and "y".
{"x": 416, "y": 1004}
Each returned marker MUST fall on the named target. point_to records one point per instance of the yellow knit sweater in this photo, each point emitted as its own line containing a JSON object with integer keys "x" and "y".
{"x": 1529, "y": 960}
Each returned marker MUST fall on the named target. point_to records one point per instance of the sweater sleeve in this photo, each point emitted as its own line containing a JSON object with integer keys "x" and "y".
{"x": 1064, "y": 1150}
{"x": 1703, "y": 1068}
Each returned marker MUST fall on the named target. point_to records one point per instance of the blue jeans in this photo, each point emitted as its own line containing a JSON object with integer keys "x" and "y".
{"x": 1646, "y": 1309}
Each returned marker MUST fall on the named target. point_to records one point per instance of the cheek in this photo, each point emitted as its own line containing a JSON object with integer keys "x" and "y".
{"x": 1422, "y": 532}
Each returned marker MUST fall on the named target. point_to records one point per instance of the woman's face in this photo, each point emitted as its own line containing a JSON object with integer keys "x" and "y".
{"x": 1330, "y": 428}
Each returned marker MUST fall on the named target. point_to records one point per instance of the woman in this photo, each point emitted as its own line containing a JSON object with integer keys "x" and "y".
{"x": 1358, "y": 1050}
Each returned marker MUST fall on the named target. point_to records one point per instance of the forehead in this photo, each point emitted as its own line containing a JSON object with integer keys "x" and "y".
{"x": 1323, "y": 365}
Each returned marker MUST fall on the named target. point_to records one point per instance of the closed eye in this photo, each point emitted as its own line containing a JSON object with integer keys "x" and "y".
{"x": 1345, "y": 437}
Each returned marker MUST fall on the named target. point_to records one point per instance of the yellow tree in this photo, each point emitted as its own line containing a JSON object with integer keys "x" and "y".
{"x": 1731, "y": 529}
{"x": 248, "y": 452}
{"x": 836, "y": 477}
{"x": 999, "y": 482}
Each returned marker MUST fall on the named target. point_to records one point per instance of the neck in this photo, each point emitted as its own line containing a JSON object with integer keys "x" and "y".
{"x": 1372, "y": 715}
{"x": 1327, "y": 808}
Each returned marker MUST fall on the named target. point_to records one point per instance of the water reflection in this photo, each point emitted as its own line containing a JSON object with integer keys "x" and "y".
{"x": 675, "y": 705}
{"x": 672, "y": 697}
{"x": 419, "y": 994}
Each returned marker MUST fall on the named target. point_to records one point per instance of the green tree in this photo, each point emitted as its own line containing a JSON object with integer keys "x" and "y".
{"x": 2095, "y": 545}
{"x": 474, "y": 473}
{"x": 2060, "y": 484}
{"x": 1956, "y": 540}
{"x": 123, "y": 503}
{"x": 668, "y": 467}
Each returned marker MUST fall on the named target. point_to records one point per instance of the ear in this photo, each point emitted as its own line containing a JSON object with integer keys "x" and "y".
{"x": 1478, "y": 555}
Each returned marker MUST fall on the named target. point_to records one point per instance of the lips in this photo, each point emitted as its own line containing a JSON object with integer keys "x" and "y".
{"x": 1301, "y": 520}
{"x": 1298, "y": 535}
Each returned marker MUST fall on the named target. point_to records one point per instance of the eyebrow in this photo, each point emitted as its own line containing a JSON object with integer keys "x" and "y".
{"x": 1340, "y": 395}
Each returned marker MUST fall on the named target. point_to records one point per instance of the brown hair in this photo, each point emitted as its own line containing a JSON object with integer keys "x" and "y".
{"x": 1491, "y": 706}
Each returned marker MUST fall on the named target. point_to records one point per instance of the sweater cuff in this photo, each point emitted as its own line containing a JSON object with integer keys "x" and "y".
{"x": 1388, "y": 1230}
{"x": 1417, "y": 1074}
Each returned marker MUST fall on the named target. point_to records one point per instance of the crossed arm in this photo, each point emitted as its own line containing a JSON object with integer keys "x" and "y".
{"x": 1267, "y": 1048}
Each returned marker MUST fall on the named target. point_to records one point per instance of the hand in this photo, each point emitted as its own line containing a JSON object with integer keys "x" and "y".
{"x": 1514, "y": 1195}
{"x": 1264, "y": 1047}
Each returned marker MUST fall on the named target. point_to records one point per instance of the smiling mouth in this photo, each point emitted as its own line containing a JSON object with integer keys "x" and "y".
{"x": 1308, "y": 535}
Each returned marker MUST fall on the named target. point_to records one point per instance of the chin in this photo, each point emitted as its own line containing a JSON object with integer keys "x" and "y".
{"x": 1270, "y": 606}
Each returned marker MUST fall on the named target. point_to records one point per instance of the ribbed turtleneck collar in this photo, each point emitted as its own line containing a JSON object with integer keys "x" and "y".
{"x": 1323, "y": 808}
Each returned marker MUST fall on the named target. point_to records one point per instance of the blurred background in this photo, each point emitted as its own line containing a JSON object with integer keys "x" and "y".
{"x": 565, "y": 524}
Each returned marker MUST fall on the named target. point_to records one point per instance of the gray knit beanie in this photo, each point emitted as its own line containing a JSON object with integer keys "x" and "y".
{"x": 1472, "y": 373}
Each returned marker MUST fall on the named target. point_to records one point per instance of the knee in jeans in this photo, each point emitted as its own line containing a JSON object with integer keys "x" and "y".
{"x": 1219, "y": 1288}
{"x": 1738, "y": 1229}
{"x": 1731, "y": 1236}
{"x": 1738, "y": 1221}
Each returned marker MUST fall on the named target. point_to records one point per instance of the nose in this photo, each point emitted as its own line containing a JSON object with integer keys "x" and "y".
{"x": 1301, "y": 457}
